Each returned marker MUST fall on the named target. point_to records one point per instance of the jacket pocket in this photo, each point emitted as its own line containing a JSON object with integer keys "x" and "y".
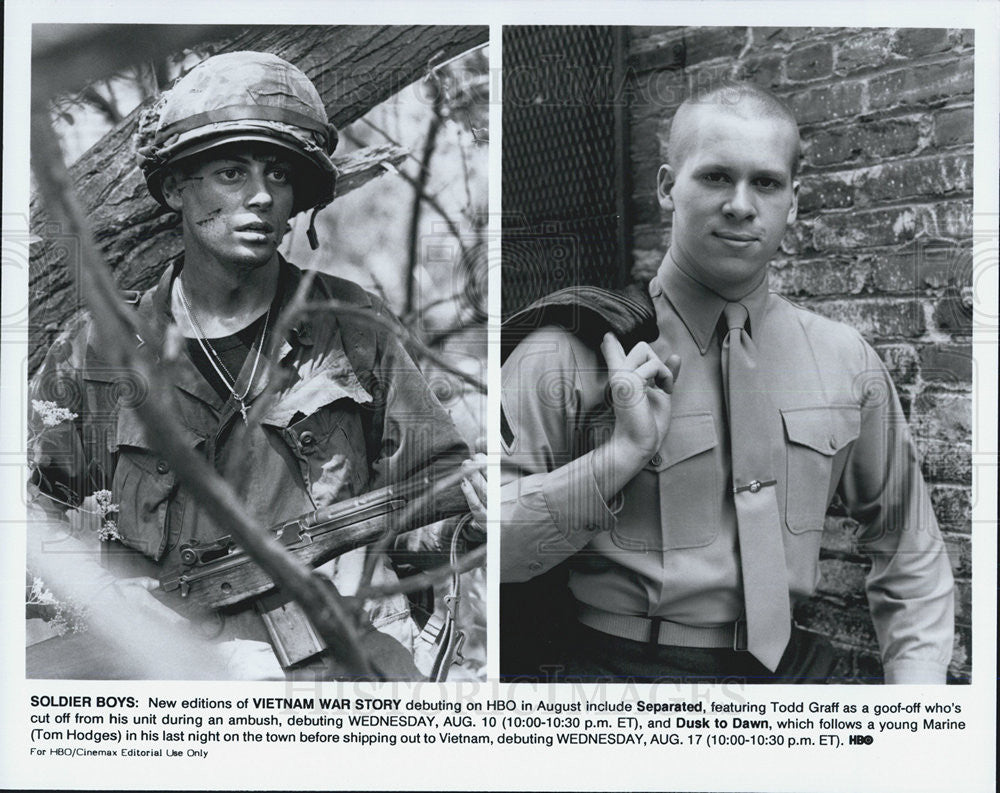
{"x": 687, "y": 475}
{"x": 815, "y": 435}
{"x": 144, "y": 484}
{"x": 330, "y": 447}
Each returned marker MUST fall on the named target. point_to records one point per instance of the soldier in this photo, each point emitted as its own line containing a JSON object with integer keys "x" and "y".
{"x": 239, "y": 145}
{"x": 685, "y": 480}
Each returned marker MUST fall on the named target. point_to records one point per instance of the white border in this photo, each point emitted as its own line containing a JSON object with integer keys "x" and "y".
{"x": 923, "y": 762}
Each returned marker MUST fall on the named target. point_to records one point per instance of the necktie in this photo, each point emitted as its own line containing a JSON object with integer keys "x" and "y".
{"x": 752, "y": 432}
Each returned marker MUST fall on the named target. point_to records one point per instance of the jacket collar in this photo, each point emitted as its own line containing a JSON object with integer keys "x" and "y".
{"x": 289, "y": 277}
{"x": 698, "y": 307}
{"x": 186, "y": 376}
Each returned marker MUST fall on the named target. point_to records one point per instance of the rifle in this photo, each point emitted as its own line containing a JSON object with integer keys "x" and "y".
{"x": 219, "y": 573}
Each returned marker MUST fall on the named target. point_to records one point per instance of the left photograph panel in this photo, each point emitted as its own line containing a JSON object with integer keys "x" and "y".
{"x": 257, "y": 357}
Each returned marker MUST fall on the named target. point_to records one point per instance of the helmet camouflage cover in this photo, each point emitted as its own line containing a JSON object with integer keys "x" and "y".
{"x": 236, "y": 97}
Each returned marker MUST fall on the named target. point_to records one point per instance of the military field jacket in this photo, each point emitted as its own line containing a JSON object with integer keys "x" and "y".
{"x": 352, "y": 413}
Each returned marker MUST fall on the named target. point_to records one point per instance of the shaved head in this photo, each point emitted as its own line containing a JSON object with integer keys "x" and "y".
{"x": 742, "y": 99}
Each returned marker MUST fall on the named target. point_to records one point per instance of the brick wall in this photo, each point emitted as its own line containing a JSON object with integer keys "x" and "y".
{"x": 882, "y": 241}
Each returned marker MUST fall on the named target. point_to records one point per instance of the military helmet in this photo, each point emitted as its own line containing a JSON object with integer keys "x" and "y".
{"x": 241, "y": 96}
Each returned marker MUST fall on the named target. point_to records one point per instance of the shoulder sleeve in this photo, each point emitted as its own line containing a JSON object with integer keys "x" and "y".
{"x": 551, "y": 505}
{"x": 414, "y": 428}
{"x": 910, "y": 585}
{"x": 343, "y": 289}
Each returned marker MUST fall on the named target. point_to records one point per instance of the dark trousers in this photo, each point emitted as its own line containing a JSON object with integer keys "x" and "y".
{"x": 595, "y": 657}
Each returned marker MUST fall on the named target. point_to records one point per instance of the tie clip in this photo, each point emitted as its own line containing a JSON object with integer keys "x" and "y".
{"x": 755, "y": 486}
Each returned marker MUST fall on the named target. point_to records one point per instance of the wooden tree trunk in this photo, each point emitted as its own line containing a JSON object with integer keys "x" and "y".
{"x": 354, "y": 68}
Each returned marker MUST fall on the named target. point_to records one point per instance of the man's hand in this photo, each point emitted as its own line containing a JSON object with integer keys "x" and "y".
{"x": 474, "y": 488}
{"x": 640, "y": 386}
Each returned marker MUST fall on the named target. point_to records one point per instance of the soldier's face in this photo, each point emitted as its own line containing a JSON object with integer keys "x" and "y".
{"x": 234, "y": 203}
{"x": 732, "y": 195}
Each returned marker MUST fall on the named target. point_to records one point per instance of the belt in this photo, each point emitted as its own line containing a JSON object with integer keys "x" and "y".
{"x": 732, "y": 635}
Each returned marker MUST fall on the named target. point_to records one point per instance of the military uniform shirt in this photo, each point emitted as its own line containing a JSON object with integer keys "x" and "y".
{"x": 666, "y": 545}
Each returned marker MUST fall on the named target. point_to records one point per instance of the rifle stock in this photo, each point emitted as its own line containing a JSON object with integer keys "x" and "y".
{"x": 219, "y": 573}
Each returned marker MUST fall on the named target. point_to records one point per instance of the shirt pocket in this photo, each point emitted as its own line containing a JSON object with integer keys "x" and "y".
{"x": 144, "y": 484}
{"x": 687, "y": 479}
{"x": 330, "y": 447}
{"x": 815, "y": 435}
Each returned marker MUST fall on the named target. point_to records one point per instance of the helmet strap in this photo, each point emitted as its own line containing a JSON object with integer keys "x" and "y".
{"x": 311, "y": 231}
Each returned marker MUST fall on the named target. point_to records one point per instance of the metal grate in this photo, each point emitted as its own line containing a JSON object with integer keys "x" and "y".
{"x": 563, "y": 144}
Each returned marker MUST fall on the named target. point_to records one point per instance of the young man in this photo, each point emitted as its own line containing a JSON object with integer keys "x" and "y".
{"x": 237, "y": 147}
{"x": 686, "y": 480}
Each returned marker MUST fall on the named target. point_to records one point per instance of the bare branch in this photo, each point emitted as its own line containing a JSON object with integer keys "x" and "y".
{"x": 419, "y": 189}
{"x": 360, "y": 167}
{"x": 91, "y": 96}
{"x": 432, "y": 202}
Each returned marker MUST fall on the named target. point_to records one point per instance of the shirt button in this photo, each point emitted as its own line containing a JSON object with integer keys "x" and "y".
{"x": 754, "y": 486}
{"x": 534, "y": 567}
{"x": 591, "y": 527}
{"x": 656, "y": 459}
{"x": 833, "y": 441}
{"x": 162, "y": 467}
{"x": 307, "y": 441}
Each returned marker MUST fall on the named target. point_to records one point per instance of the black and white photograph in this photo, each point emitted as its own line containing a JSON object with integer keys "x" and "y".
{"x": 738, "y": 367}
{"x": 257, "y": 397}
{"x": 451, "y": 395}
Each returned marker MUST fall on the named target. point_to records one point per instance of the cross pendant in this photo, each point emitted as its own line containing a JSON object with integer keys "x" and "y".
{"x": 243, "y": 410}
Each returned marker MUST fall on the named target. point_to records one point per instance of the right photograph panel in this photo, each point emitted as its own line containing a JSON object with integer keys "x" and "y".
{"x": 737, "y": 363}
